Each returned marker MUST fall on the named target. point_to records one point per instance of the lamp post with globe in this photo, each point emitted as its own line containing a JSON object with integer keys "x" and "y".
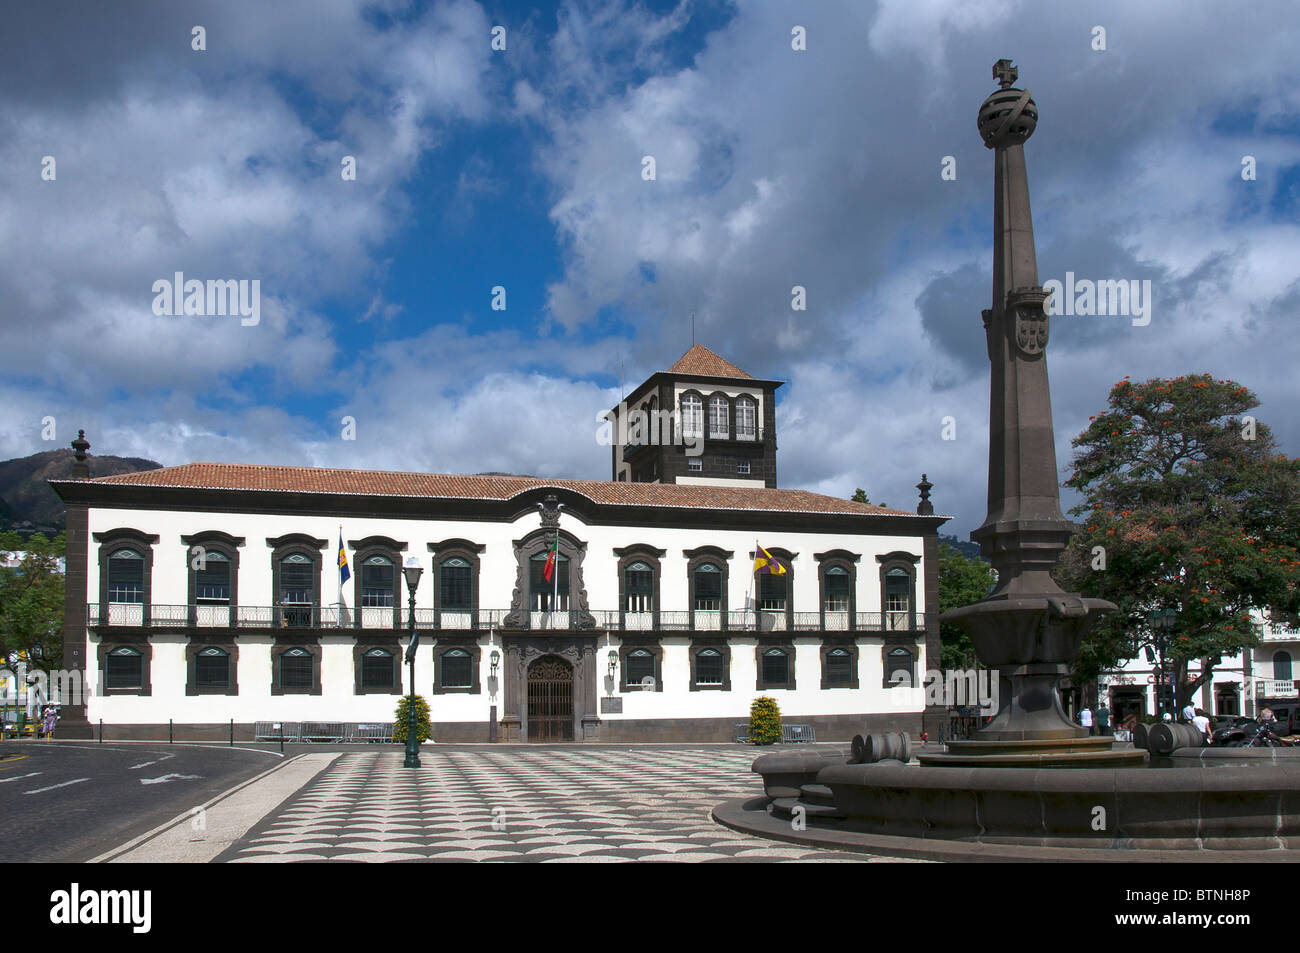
{"x": 412, "y": 570}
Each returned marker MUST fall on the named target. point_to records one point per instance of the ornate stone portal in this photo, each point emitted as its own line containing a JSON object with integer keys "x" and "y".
{"x": 1027, "y": 627}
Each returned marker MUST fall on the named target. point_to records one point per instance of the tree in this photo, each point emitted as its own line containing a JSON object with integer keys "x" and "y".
{"x": 1190, "y": 511}
{"x": 423, "y": 729}
{"x": 764, "y": 721}
{"x": 860, "y": 496}
{"x": 31, "y": 600}
{"x": 963, "y": 580}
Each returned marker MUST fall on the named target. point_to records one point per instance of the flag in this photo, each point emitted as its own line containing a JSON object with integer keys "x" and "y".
{"x": 344, "y": 573}
{"x": 766, "y": 562}
{"x": 549, "y": 569}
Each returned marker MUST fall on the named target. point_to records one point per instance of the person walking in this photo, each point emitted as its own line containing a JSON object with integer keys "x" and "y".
{"x": 1103, "y": 720}
{"x": 1202, "y": 722}
{"x": 1085, "y": 719}
{"x": 51, "y": 719}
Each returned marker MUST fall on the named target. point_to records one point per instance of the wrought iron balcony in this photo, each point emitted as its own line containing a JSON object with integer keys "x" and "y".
{"x": 208, "y": 616}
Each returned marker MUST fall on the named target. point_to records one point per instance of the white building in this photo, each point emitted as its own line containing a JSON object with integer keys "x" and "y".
{"x": 207, "y": 594}
{"x": 1242, "y": 684}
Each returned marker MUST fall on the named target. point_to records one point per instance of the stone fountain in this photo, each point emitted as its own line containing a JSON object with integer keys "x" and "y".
{"x": 1031, "y": 784}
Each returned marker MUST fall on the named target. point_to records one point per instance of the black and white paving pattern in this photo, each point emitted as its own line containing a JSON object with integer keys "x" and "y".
{"x": 533, "y": 804}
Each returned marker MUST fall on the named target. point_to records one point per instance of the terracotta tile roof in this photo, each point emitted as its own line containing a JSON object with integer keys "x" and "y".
{"x": 703, "y": 362}
{"x": 278, "y": 479}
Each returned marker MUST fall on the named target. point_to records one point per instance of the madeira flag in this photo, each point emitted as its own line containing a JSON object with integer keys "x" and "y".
{"x": 344, "y": 573}
{"x": 766, "y": 562}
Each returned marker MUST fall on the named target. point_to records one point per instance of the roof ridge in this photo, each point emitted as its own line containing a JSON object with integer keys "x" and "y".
{"x": 269, "y": 477}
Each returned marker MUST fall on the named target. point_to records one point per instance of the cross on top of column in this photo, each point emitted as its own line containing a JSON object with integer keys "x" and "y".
{"x": 1005, "y": 73}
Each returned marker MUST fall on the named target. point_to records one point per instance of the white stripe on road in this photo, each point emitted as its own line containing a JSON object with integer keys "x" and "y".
{"x": 145, "y": 764}
{"x": 20, "y": 777}
{"x": 53, "y": 786}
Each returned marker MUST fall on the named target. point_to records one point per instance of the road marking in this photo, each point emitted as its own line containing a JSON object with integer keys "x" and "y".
{"x": 19, "y": 777}
{"x": 230, "y": 815}
{"x": 171, "y": 777}
{"x": 53, "y": 786}
{"x": 145, "y": 764}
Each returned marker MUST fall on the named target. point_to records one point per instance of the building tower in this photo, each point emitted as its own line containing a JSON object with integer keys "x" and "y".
{"x": 703, "y": 421}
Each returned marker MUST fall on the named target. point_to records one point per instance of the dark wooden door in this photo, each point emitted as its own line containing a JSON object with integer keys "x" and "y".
{"x": 550, "y": 700}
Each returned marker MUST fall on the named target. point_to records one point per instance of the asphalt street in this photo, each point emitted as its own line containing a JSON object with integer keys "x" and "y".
{"x": 69, "y": 801}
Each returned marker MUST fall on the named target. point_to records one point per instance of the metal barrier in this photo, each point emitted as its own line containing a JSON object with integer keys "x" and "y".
{"x": 369, "y": 733}
{"x": 793, "y": 734}
{"x": 323, "y": 731}
{"x": 275, "y": 730}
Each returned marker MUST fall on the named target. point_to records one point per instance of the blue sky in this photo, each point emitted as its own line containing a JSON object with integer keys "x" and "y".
{"x": 522, "y": 168}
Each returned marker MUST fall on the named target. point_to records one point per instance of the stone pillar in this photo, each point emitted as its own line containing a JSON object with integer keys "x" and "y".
{"x": 73, "y": 720}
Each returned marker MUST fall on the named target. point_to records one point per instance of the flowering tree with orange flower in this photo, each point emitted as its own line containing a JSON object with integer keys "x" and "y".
{"x": 1188, "y": 506}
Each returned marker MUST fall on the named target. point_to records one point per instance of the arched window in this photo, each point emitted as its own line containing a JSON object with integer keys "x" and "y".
{"x": 775, "y": 672}
{"x": 898, "y": 599}
{"x": 719, "y": 417}
{"x": 835, "y": 591}
{"x": 378, "y": 673}
{"x": 212, "y": 579}
{"x": 746, "y": 419}
{"x": 839, "y": 668}
{"x": 457, "y": 669}
{"x": 126, "y": 576}
{"x": 900, "y": 669}
{"x": 543, "y": 591}
{"x": 297, "y": 593}
{"x": 640, "y": 667}
{"x": 638, "y": 588}
{"x": 708, "y": 588}
{"x": 709, "y": 667}
{"x": 773, "y": 591}
{"x": 1282, "y": 666}
{"x": 212, "y": 670}
{"x": 296, "y": 671}
{"x": 124, "y": 669}
{"x": 692, "y": 416}
{"x": 454, "y": 584}
{"x": 378, "y": 581}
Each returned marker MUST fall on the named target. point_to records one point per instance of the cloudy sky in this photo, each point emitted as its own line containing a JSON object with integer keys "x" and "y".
{"x": 523, "y": 168}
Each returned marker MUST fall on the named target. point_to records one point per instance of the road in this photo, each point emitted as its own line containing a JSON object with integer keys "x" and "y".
{"x": 69, "y": 801}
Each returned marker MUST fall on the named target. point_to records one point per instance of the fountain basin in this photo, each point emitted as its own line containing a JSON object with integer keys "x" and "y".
{"x": 1209, "y": 808}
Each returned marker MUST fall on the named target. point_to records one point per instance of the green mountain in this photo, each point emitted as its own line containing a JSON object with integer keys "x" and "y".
{"x": 27, "y": 504}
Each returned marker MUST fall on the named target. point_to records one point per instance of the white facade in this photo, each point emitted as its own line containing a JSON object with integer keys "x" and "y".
{"x": 176, "y": 628}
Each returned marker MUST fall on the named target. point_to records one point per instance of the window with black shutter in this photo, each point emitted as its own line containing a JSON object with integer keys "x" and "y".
{"x": 296, "y": 667}
{"x": 212, "y": 670}
{"x": 377, "y": 671}
{"x": 457, "y": 669}
{"x": 124, "y": 669}
{"x": 454, "y": 584}
{"x": 126, "y": 576}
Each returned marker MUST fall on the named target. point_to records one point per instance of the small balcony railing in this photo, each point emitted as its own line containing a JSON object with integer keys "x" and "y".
{"x": 1275, "y": 688}
{"x": 206, "y": 616}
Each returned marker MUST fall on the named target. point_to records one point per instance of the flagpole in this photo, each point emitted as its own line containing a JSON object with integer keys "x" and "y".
{"x": 555, "y": 599}
{"x": 338, "y": 574}
{"x": 752, "y": 573}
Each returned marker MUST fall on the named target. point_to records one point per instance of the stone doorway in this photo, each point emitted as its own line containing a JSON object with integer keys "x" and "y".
{"x": 550, "y": 700}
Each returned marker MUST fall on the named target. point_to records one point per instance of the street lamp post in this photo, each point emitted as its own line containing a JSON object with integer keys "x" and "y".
{"x": 412, "y": 570}
{"x": 1161, "y": 620}
{"x": 492, "y": 689}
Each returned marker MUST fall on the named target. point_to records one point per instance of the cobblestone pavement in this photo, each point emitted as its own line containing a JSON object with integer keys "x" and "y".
{"x": 589, "y": 804}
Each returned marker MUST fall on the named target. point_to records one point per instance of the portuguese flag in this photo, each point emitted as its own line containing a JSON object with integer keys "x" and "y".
{"x": 549, "y": 569}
